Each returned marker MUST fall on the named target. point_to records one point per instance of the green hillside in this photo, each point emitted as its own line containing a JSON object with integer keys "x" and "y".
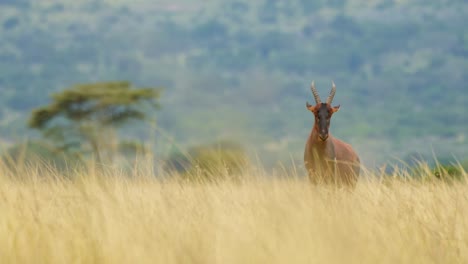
{"x": 241, "y": 70}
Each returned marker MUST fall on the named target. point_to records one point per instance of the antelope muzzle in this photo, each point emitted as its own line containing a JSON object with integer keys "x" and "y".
{"x": 323, "y": 133}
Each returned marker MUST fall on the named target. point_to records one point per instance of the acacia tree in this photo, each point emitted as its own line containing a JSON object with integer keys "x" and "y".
{"x": 83, "y": 119}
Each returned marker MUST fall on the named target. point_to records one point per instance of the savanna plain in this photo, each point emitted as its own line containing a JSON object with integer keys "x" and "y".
{"x": 111, "y": 216}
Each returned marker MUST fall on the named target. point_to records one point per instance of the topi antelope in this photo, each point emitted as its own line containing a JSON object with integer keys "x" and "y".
{"x": 328, "y": 159}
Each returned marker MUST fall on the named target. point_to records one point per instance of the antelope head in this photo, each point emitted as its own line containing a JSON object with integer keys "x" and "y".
{"x": 322, "y": 111}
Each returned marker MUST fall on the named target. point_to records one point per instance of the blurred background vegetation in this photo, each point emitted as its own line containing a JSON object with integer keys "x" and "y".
{"x": 240, "y": 71}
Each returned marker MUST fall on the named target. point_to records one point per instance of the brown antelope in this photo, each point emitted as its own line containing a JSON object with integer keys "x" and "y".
{"x": 328, "y": 159}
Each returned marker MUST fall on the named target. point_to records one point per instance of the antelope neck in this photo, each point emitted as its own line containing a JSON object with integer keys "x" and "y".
{"x": 321, "y": 146}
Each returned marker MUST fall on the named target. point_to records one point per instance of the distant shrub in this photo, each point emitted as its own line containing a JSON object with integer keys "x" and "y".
{"x": 449, "y": 172}
{"x": 34, "y": 153}
{"x": 218, "y": 160}
{"x": 441, "y": 171}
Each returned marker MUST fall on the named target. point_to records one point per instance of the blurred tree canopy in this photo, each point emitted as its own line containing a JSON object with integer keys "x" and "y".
{"x": 83, "y": 118}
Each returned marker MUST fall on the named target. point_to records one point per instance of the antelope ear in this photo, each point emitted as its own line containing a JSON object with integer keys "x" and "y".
{"x": 310, "y": 107}
{"x": 336, "y": 108}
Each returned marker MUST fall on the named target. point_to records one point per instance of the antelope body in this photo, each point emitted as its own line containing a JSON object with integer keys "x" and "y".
{"x": 328, "y": 159}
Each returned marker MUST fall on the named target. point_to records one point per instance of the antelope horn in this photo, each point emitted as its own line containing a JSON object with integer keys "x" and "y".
{"x": 332, "y": 93}
{"x": 314, "y": 91}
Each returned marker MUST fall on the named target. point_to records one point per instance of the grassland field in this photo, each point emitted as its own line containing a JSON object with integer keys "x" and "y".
{"x": 97, "y": 216}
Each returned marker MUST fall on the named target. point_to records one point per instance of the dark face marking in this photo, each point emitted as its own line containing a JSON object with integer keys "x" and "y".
{"x": 323, "y": 116}
{"x": 323, "y": 113}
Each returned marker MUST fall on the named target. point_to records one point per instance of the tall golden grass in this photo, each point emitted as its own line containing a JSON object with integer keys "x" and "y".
{"x": 110, "y": 217}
